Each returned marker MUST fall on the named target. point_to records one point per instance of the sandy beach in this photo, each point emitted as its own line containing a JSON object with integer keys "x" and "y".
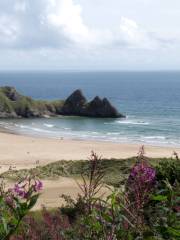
{"x": 20, "y": 151}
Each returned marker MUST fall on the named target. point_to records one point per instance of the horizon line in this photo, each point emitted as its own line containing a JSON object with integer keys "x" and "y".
{"x": 88, "y": 70}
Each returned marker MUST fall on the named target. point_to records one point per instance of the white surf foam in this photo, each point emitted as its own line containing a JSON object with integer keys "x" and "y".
{"x": 155, "y": 137}
{"x": 48, "y": 125}
{"x": 35, "y": 129}
{"x": 133, "y": 122}
{"x": 128, "y": 122}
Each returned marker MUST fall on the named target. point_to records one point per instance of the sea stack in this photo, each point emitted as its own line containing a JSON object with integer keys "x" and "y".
{"x": 76, "y": 104}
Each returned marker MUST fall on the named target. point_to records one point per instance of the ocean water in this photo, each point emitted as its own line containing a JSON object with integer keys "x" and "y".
{"x": 150, "y": 100}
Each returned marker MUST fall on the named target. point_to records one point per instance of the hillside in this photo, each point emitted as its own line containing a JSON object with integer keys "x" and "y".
{"x": 13, "y": 104}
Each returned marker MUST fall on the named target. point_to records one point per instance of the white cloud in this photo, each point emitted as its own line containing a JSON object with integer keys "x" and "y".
{"x": 59, "y": 23}
{"x": 20, "y": 6}
{"x": 135, "y": 36}
{"x": 9, "y": 30}
{"x": 66, "y": 17}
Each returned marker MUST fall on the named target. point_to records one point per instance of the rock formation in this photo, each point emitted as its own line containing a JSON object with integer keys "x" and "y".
{"x": 74, "y": 104}
{"x": 13, "y": 104}
{"x": 101, "y": 108}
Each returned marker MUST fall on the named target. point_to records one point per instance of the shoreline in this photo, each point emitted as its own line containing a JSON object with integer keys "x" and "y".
{"x": 39, "y": 136}
{"x": 22, "y": 151}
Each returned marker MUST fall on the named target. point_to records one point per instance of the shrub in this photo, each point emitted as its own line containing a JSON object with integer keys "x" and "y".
{"x": 146, "y": 208}
{"x": 24, "y": 107}
{"x": 139, "y": 186}
{"x": 139, "y": 212}
{"x": 51, "y": 225}
{"x": 15, "y": 203}
{"x": 169, "y": 170}
{"x": 5, "y": 105}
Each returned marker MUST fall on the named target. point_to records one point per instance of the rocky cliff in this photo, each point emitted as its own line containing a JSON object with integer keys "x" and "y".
{"x": 13, "y": 104}
{"x": 76, "y": 104}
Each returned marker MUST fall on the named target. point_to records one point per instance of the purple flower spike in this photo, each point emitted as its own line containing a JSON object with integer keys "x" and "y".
{"x": 140, "y": 183}
{"x": 26, "y": 188}
{"x": 19, "y": 191}
{"x": 143, "y": 172}
{"x": 38, "y": 186}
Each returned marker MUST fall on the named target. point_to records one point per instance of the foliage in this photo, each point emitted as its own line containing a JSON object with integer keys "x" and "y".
{"x": 169, "y": 170}
{"x": 147, "y": 207}
{"x": 50, "y": 226}
{"x": 15, "y": 104}
{"x": 15, "y": 203}
{"x": 92, "y": 182}
{"x": 23, "y": 106}
{"x": 116, "y": 171}
{"x": 144, "y": 210}
{"x": 5, "y": 105}
{"x": 164, "y": 210}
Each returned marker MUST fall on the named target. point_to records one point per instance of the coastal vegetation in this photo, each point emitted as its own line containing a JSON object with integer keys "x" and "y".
{"x": 14, "y": 104}
{"x": 142, "y": 201}
{"x": 15, "y": 204}
{"x": 115, "y": 170}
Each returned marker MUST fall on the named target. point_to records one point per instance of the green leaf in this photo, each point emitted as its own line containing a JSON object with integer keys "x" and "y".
{"x": 5, "y": 225}
{"x": 174, "y": 232}
{"x": 33, "y": 201}
{"x": 159, "y": 198}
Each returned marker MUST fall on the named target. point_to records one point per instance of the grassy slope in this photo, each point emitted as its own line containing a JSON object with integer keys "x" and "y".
{"x": 5, "y": 104}
{"x": 116, "y": 170}
{"x": 24, "y": 104}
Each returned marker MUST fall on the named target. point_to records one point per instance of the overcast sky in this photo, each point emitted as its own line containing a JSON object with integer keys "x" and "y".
{"x": 90, "y": 34}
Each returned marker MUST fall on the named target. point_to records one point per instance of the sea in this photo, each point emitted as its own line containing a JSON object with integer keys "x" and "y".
{"x": 150, "y": 101}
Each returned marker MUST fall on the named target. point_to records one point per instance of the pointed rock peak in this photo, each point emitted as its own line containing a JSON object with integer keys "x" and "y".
{"x": 74, "y": 104}
{"x": 97, "y": 99}
{"x": 78, "y": 92}
{"x": 77, "y": 96}
{"x": 106, "y": 101}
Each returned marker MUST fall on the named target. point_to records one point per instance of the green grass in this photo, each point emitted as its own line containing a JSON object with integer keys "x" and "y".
{"x": 5, "y": 104}
{"x": 24, "y": 106}
{"x": 116, "y": 170}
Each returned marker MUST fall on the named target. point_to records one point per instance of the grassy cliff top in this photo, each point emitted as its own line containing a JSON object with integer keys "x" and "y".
{"x": 14, "y": 104}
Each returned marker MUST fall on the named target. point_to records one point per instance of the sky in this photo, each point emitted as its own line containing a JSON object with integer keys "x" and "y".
{"x": 90, "y": 35}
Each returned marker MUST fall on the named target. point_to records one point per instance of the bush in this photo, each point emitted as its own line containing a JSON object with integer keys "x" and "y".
{"x": 24, "y": 107}
{"x": 147, "y": 207}
{"x": 15, "y": 203}
{"x": 169, "y": 170}
{"x": 163, "y": 212}
{"x": 5, "y": 105}
{"x": 145, "y": 210}
{"x": 50, "y": 225}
